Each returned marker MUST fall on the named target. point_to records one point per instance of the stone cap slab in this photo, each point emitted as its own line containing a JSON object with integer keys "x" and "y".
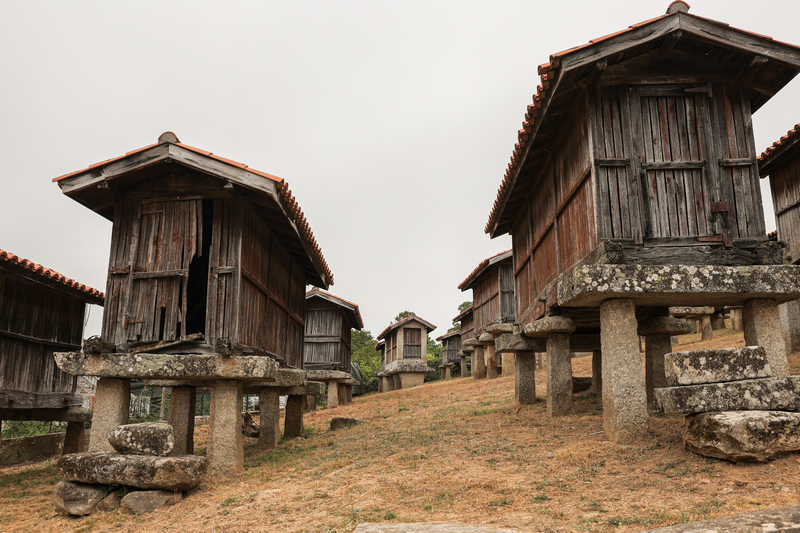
{"x": 408, "y": 366}
{"x": 683, "y": 310}
{"x": 663, "y": 325}
{"x": 310, "y": 388}
{"x": 471, "y": 342}
{"x": 486, "y": 338}
{"x": 183, "y": 472}
{"x": 510, "y": 343}
{"x": 427, "y": 528}
{"x": 770, "y": 394}
{"x": 549, "y": 324}
{"x": 780, "y": 519}
{"x": 716, "y": 366}
{"x": 326, "y": 375}
{"x": 669, "y": 285}
{"x": 505, "y": 327}
{"x": 168, "y": 366}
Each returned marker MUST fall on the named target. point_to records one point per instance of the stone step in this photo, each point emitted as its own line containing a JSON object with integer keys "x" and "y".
{"x": 744, "y": 436}
{"x": 142, "y": 471}
{"x": 716, "y": 366}
{"x": 767, "y": 394}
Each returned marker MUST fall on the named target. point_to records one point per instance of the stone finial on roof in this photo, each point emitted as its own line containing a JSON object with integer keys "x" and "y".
{"x": 678, "y": 6}
{"x": 168, "y": 137}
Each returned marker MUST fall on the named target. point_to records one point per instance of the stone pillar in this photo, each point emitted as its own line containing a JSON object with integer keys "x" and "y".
{"x": 656, "y": 347}
{"x": 464, "y": 371}
{"x": 333, "y": 394}
{"x": 181, "y": 418}
{"x": 707, "y": 332}
{"x": 597, "y": 373}
{"x": 478, "y": 364}
{"x": 559, "y": 375}
{"x": 311, "y": 403}
{"x": 293, "y": 425}
{"x": 625, "y": 416}
{"x": 445, "y": 372}
{"x": 343, "y": 393}
{"x": 790, "y": 325}
{"x": 736, "y": 319}
{"x": 112, "y": 400}
{"x": 717, "y": 321}
{"x": 491, "y": 361}
{"x": 225, "y": 442}
{"x": 269, "y": 411}
{"x": 75, "y": 439}
{"x": 762, "y": 327}
{"x": 348, "y": 390}
{"x": 509, "y": 364}
{"x": 525, "y": 378}
{"x": 398, "y": 382}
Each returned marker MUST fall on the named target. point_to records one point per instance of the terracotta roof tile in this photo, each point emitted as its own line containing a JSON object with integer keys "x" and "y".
{"x": 463, "y": 313}
{"x": 412, "y": 316}
{"x": 464, "y": 285}
{"x": 355, "y": 305}
{"x": 8, "y": 257}
{"x": 448, "y": 334}
{"x": 766, "y": 155}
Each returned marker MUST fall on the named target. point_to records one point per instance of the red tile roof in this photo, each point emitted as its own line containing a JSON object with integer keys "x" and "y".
{"x": 483, "y": 265}
{"x": 547, "y": 73}
{"x": 769, "y": 155}
{"x": 463, "y": 313}
{"x": 448, "y": 334}
{"x": 353, "y": 307}
{"x": 49, "y": 274}
{"x": 430, "y": 327}
{"x": 289, "y": 201}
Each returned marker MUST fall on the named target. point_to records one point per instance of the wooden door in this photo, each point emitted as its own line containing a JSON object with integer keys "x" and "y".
{"x": 165, "y": 237}
{"x": 671, "y": 127}
{"x": 412, "y": 343}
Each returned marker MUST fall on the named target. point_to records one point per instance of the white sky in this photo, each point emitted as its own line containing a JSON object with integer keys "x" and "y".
{"x": 393, "y": 122}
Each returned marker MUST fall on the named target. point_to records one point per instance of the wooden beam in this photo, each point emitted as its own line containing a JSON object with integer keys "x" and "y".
{"x": 19, "y": 399}
{"x": 73, "y": 414}
{"x": 669, "y": 42}
{"x": 36, "y": 340}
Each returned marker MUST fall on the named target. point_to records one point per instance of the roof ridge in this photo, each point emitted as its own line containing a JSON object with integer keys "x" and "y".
{"x": 48, "y": 273}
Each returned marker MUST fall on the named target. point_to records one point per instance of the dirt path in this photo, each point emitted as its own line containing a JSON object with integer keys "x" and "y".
{"x": 457, "y": 451}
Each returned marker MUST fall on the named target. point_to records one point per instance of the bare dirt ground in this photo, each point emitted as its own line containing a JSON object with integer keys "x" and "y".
{"x": 460, "y": 451}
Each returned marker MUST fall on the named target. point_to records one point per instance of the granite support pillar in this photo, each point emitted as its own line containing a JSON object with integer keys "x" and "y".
{"x": 293, "y": 423}
{"x": 762, "y": 327}
{"x": 559, "y": 375}
{"x": 332, "y": 399}
{"x": 478, "y": 363}
{"x": 269, "y": 409}
{"x": 525, "y": 378}
{"x": 491, "y": 361}
{"x": 597, "y": 373}
{"x": 225, "y": 442}
{"x": 181, "y": 418}
{"x": 75, "y": 438}
{"x": 112, "y": 400}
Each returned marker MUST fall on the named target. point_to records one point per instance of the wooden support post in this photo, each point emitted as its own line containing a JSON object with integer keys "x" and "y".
{"x": 269, "y": 411}
{"x": 112, "y": 400}
{"x": 625, "y": 417}
{"x": 559, "y": 375}
{"x": 293, "y": 424}
{"x": 525, "y": 378}
{"x": 181, "y": 418}
{"x": 225, "y": 442}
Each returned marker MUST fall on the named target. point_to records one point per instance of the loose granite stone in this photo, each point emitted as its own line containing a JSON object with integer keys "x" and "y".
{"x": 549, "y": 324}
{"x": 147, "y": 438}
{"x": 146, "y": 501}
{"x": 744, "y": 436}
{"x": 427, "y": 528}
{"x": 768, "y": 394}
{"x": 77, "y": 499}
{"x": 782, "y": 519}
{"x": 110, "y": 502}
{"x": 510, "y": 343}
{"x": 141, "y": 471}
{"x": 716, "y": 366}
{"x": 340, "y": 422}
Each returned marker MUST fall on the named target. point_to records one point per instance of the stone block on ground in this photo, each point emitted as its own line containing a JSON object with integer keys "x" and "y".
{"x": 716, "y": 366}
{"x": 140, "y": 471}
{"x": 427, "y": 528}
{"x": 744, "y": 436}
{"x": 780, "y": 519}
{"x": 147, "y": 438}
{"x": 77, "y": 499}
{"x": 768, "y": 394}
{"x": 110, "y": 502}
{"x": 339, "y": 422}
{"x": 147, "y": 501}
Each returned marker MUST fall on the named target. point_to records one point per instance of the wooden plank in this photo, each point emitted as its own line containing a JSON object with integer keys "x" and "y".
{"x": 676, "y": 144}
{"x": 18, "y": 399}
{"x": 37, "y": 340}
{"x": 621, "y": 174}
{"x": 608, "y": 142}
{"x": 635, "y": 205}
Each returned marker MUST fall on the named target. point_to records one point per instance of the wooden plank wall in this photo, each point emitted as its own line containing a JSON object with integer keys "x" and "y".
{"x": 785, "y": 182}
{"x": 272, "y": 293}
{"x": 222, "y": 310}
{"x": 412, "y": 343}
{"x": 467, "y": 327}
{"x": 450, "y": 348}
{"x": 32, "y": 310}
{"x": 486, "y": 300}
{"x": 323, "y": 336}
{"x": 557, "y": 228}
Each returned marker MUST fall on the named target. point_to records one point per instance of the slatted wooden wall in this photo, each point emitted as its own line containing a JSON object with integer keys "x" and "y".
{"x": 450, "y": 348}
{"x": 785, "y": 182}
{"x": 493, "y": 297}
{"x": 32, "y": 318}
{"x": 327, "y": 335}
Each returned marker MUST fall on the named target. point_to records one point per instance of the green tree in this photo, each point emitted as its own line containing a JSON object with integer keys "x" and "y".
{"x": 463, "y": 306}
{"x": 400, "y": 316}
{"x": 362, "y": 350}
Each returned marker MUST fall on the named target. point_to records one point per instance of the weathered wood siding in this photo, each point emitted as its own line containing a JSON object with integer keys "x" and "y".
{"x": 35, "y": 322}
{"x": 467, "y": 327}
{"x": 785, "y": 183}
{"x": 327, "y": 336}
{"x": 412, "y": 343}
{"x": 272, "y": 293}
{"x": 450, "y": 348}
{"x": 557, "y": 227}
{"x": 493, "y": 297}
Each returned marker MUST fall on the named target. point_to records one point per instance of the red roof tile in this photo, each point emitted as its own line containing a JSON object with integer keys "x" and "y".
{"x": 464, "y": 285}
{"x": 317, "y": 290}
{"x": 448, "y": 334}
{"x": 463, "y": 313}
{"x": 770, "y": 153}
{"x": 430, "y": 327}
{"x": 50, "y": 274}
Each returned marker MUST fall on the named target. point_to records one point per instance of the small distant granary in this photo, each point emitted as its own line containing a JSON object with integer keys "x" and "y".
{"x": 406, "y": 351}
{"x": 451, "y": 348}
{"x": 326, "y": 356}
{"x": 634, "y": 187}
{"x": 206, "y": 287}
{"x": 41, "y": 312}
{"x": 467, "y": 321}
{"x": 492, "y": 284}
{"x": 781, "y": 162}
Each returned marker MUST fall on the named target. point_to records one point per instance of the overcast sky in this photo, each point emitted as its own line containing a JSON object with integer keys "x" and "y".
{"x": 392, "y": 122}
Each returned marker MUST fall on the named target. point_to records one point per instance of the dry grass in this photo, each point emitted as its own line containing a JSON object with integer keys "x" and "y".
{"x": 458, "y": 451}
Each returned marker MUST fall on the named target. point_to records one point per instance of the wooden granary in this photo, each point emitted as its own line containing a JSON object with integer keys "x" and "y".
{"x": 329, "y": 321}
{"x": 209, "y": 263}
{"x": 451, "y": 348}
{"x": 633, "y": 187}
{"x": 492, "y": 284}
{"x": 467, "y": 321}
{"x": 781, "y": 162}
{"x": 406, "y": 350}
{"x": 41, "y": 312}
